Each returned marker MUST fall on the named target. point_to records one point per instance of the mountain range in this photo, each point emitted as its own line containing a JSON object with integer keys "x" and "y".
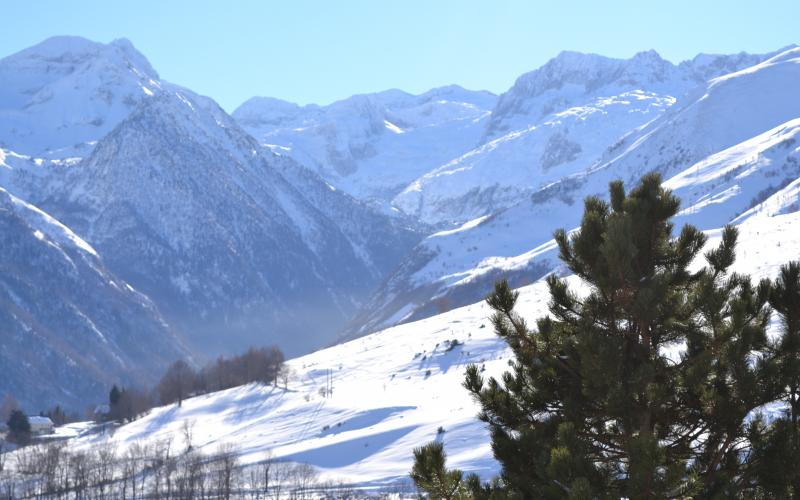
{"x": 141, "y": 216}
{"x": 233, "y": 243}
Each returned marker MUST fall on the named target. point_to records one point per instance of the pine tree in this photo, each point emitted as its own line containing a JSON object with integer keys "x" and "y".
{"x": 785, "y": 300}
{"x": 641, "y": 387}
{"x": 113, "y": 396}
{"x": 431, "y": 476}
{"x": 19, "y": 427}
{"x": 776, "y": 450}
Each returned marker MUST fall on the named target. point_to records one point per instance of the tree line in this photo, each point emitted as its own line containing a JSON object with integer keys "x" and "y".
{"x": 661, "y": 381}
{"x": 181, "y": 380}
{"x": 256, "y": 365}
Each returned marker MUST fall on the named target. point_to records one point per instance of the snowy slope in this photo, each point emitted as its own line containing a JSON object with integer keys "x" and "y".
{"x": 502, "y": 171}
{"x": 554, "y": 122}
{"x": 730, "y": 143}
{"x": 59, "y": 96}
{"x": 372, "y": 145}
{"x": 733, "y": 184}
{"x": 237, "y": 242}
{"x": 391, "y": 390}
{"x": 70, "y": 327}
{"x": 729, "y": 110}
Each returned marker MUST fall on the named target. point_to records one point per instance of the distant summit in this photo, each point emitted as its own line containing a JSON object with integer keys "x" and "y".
{"x": 59, "y": 96}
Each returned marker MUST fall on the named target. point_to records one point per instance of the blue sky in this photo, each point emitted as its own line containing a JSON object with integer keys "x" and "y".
{"x": 320, "y": 51}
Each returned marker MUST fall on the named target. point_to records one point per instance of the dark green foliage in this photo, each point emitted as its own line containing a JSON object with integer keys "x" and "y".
{"x": 643, "y": 386}
{"x": 785, "y": 299}
{"x": 130, "y": 404}
{"x": 113, "y": 397}
{"x": 776, "y": 451}
{"x": 19, "y": 427}
{"x": 431, "y": 476}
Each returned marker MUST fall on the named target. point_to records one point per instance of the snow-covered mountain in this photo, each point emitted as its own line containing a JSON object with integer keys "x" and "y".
{"x": 236, "y": 245}
{"x": 372, "y": 145}
{"x": 759, "y": 175}
{"x": 70, "y": 327}
{"x": 730, "y": 143}
{"x": 59, "y": 96}
{"x": 192, "y": 211}
{"x": 284, "y": 223}
{"x": 450, "y": 154}
{"x": 392, "y": 390}
{"x": 499, "y": 173}
{"x": 554, "y": 122}
{"x": 572, "y": 78}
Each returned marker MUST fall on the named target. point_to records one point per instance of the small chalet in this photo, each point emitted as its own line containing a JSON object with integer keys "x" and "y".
{"x": 40, "y": 425}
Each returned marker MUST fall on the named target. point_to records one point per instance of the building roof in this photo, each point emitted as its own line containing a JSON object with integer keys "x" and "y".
{"x": 38, "y": 420}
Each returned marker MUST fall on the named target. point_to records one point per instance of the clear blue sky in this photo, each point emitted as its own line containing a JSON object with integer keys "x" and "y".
{"x": 320, "y": 51}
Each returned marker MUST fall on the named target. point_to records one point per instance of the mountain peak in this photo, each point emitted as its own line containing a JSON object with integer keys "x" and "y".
{"x": 132, "y": 54}
{"x": 74, "y": 50}
{"x": 57, "y": 46}
{"x": 66, "y": 92}
{"x": 649, "y": 56}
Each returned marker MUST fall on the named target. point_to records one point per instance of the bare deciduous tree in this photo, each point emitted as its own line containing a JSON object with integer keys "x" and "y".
{"x": 187, "y": 429}
{"x": 302, "y": 479}
{"x": 286, "y": 375}
{"x": 8, "y": 405}
{"x": 226, "y": 462}
{"x": 3, "y": 455}
{"x": 177, "y": 383}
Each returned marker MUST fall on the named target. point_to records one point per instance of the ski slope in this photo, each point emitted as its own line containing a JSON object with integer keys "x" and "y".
{"x": 392, "y": 390}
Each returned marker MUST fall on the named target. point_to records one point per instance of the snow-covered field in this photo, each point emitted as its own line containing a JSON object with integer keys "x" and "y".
{"x": 392, "y": 390}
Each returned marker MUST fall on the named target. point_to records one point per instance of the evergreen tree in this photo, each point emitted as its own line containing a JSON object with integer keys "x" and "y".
{"x": 431, "y": 476}
{"x": 19, "y": 427}
{"x": 113, "y": 397}
{"x": 785, "y": 300}
{"x": 56, "y": 415}
{"x": 640, "y": 387}
{"x": 776, "y": 451}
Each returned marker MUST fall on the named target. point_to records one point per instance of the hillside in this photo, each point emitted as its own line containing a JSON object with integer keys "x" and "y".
{"x": 304, "y": 225}
{"x": 392, "y": 390}
{"x": 70, "y": 327}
